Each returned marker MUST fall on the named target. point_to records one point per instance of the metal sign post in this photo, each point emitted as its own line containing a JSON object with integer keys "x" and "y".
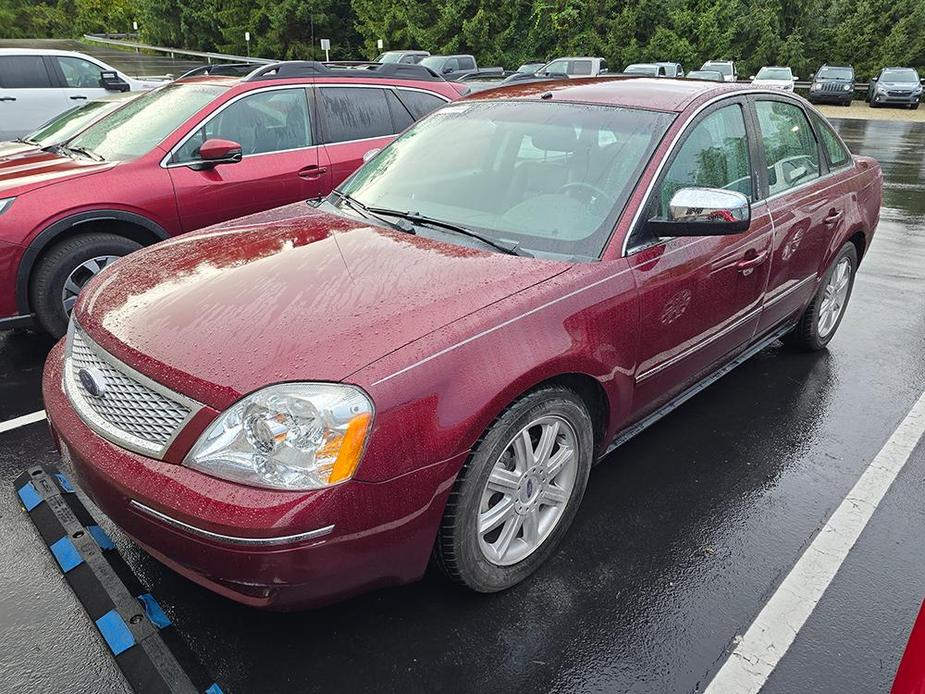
{"x": 326, "y": 47}
{"x": 247, "y": 39}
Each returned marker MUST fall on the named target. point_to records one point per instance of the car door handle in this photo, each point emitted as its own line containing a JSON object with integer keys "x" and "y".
{"x": 313, "y": 171}
{"x": 833, "y": 217}
{"x": 7, "y": 98}
{"x": 78, "y": 98}
{"x": 747, "y": 265}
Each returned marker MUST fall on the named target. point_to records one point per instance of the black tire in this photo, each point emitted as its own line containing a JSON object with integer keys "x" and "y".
{"x": 915, "y": 107}
{"x": 457, "y": 552}
{"x": 56, "y": 265}
{"x": 805, "y": 336}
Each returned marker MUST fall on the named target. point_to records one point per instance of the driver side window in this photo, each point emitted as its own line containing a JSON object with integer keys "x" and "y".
{"x": 79, "y": 73}
{"x": 790, "y": 148}
{"x": 714, "y": 155}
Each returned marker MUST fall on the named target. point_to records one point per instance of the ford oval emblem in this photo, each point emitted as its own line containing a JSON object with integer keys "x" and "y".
{"x": 93, "y": 381}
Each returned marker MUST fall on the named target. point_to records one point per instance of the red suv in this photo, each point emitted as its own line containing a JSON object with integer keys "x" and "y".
{"x": 161, "y": 166}
{"x": 427, "y": 363}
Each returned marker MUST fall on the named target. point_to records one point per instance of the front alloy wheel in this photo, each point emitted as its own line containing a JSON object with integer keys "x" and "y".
{"x": 516, "y": 496}
{"x": 527, "y": 491}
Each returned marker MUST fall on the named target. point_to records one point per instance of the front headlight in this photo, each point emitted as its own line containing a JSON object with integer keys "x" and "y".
{"x": 847, "y": 87}
{"x": 290, "y": 436}
{"x": 5, "y": 204}
{"x": 815, "y": 88}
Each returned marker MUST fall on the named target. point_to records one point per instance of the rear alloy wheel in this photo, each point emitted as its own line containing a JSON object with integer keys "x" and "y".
{"x": 517, "y": 495}
{"x": 65, "y": 270}
{"x": 822, "y": 317}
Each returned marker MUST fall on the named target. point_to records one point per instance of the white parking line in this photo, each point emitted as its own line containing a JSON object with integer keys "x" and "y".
{"x": 777, "y": 625}
{"x": 22, "y": 421}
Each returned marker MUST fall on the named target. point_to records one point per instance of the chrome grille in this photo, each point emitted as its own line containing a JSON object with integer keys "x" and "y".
{"x": 131, "y": 410}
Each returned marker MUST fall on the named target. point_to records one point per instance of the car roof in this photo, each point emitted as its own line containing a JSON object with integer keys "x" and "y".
{"x": 42, "y": 51}
{"x": 655, "y": 93}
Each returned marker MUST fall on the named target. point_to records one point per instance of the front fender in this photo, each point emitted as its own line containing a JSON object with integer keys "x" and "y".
{"x": 435, "y": 397}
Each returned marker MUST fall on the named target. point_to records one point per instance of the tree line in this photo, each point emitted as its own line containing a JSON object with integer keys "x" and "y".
{"x": 803, "y": 34}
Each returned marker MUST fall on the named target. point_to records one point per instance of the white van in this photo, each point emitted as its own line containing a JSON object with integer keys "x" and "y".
{"x": 37, "y": 85}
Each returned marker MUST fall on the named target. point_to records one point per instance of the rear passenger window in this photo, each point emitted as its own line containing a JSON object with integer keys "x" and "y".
{"x": 419, "y": 103}
{"x": 790, "y": 147}
{"x": 834, "y": 149}
{"x": 355, "y": 113}
{"x": 580, "y": 67}
{"x": 466, "y": 63}
{"x": 714, "y": 155}
{"x": 23, "y": 72}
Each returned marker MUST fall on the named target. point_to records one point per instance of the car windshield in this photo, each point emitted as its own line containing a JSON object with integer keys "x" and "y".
{"x": 835, "y": 73}
{"x": 641, "y": 70}
{"x": 548, "y": 178}
{"x": 722, "y": 68}
{"x": 704, "y": 75}
{"x": 135, "y": 129}
{"x": 899, "y": 76}
{"x": 529, "y": 67}
{"x": 433, "y": 62}
{"x": 65, "y": 126}
{"x": 774, "y": 73}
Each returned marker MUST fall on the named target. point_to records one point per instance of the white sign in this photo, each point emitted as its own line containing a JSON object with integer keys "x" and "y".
{"x": 379, "y": 44}
{"x": 325, "y": 44}
{"x": 134, "y": 26}
{"x": 247, "y": 36}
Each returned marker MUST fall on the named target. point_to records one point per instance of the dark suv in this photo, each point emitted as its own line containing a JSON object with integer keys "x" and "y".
{"x": 895, "y": 86}
{"x": 832, "y": 84}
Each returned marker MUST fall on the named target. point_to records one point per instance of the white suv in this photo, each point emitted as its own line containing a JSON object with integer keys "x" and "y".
{"x": 37, "y": 85}
{"x": 725, "y": 67}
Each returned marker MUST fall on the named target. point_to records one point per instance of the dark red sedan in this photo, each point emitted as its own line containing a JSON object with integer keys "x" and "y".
{"x": 318, "y": 401}
{"x": 193, "y": 153}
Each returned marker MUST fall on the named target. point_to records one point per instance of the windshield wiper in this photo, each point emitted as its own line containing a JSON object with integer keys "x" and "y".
{"x": 86, "y": 152}
{"x": 25, "y": 141}
{"x": 418, "y": 218}
{"x": 365, "y": 211}
{"x": 64, "y": 149}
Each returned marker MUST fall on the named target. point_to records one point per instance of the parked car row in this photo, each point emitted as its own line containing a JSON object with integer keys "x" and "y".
{"x": 161, "y": 165}
{"x": 422, "y": 366}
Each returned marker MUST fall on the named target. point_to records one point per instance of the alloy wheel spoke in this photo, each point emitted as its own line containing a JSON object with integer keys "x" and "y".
{"x": 531, "y": 525}
{"x": 503, "y": 480}
{"x": 496, "y": 515}
{"x": 555, "y": 464}
{"x": 71, "y": 286}
{"x": 508, "y": 533}
{"x": 69, "y": 303}
{"x": 553, "y": 496}
{"x": 547, "y": 440}
{"x": 523, "y": 450}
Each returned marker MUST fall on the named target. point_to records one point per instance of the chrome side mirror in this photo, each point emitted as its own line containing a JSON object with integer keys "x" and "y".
{"x": 371, "y": 154}
{"x": 704, "y": 212}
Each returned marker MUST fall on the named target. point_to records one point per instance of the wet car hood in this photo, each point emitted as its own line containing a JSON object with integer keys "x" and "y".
{"x": 223, "y": 312}
{"x": 907, "y": 86}
{"x": 33, "y": 168}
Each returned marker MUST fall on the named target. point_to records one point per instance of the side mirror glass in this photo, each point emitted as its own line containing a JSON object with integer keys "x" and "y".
{"x": 447, "y": 70}
{"x": 216, "y": 151}
{"x": 704, "y": 212}
{"x": 371, "y": 154}
{"x": 109, "y": 79}
{"x": 795, "y": 78}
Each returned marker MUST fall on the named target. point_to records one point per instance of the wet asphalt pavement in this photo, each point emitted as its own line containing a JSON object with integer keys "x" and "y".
{"x": 683, "y": 535}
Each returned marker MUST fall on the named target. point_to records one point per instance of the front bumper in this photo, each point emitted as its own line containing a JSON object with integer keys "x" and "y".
{"x": 260, "y": 547}
{"x": 889, "y": 99}
{"x": 831, "y": 97}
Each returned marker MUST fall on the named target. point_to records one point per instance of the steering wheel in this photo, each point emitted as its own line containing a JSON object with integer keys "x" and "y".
{"x": 593, "y": 190}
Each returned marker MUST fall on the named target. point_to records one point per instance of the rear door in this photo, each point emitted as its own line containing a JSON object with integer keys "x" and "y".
{"x": 280, "y": 161}
{"x": 699, "y": 297}
{"x": 28, "y": 95}
{"x": 356, "y": 119}
{"x": 806, "y": 204}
